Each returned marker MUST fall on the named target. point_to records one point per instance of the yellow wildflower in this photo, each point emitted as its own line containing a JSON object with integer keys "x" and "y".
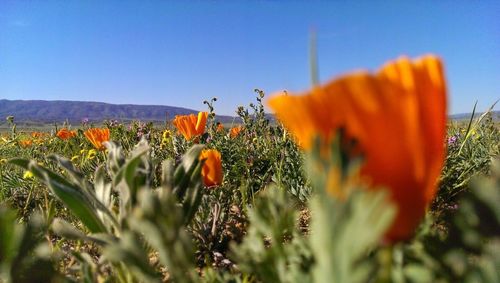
{"x": 91, "y": 154}
{"x": 28, "y": 175}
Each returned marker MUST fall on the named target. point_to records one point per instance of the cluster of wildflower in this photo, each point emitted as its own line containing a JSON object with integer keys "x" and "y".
{"x": 166, "y": 139}
{"x": 139, "y": 130}
{"x": 113, "y": 123}
{"x": 142, "y": 130}
{"x": 192, "y": 127}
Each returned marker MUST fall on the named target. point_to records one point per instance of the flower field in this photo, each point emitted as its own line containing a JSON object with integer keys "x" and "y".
{"x": 362, "y": 179}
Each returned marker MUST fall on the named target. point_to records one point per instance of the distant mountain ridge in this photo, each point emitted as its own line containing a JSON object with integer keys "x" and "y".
{"x": 466, "y": 116}
{"x": 43, "y": 111}
{"x": 59, "y": 111}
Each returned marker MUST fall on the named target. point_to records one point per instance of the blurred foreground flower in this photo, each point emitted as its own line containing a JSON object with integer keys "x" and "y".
{"x": 397, "y": 116}
{"x": 65, "y": 134}
{"x": 212, "y": 168}
{"x": 235, "y": 131}
{"x": 191, "y": 126}
{"x": 97, "y": 136}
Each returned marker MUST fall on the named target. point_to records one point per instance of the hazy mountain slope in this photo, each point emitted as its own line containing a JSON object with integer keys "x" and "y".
{"x": 42, "y": 111}
{"x": 74, "y": 111}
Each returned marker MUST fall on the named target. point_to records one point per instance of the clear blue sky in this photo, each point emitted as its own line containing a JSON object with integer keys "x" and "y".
{"x": 181, "y": 53}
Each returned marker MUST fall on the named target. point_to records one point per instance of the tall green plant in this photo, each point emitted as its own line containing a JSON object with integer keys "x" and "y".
{"x": 127, "y": 218}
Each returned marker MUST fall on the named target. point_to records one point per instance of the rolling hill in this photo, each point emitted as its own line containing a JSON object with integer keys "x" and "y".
{"x": 59, "y": 111}
{"x": 40, "y": 112}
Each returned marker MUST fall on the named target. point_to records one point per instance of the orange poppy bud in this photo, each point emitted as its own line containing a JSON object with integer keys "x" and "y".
{"x": 97, "y": 136}
{"x": 212, "y": 168}
{"x": 65, "y": 134}
{"x": 191, "y": 126}
{"x": 398, "y": 118}
{"x": 235, "y": 131}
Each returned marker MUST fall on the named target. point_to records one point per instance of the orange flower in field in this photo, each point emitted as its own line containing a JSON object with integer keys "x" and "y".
{"x": 212, "y": 168}
{"x": 191, "y": 126}
{"x": 97, "y": 136}
{"x": 37, "y": 135}
{"x": 398, "y": 118}
{"x": 235, "y": 131}
{"x": 25, "y": 143}
{"x": 220, "y": 127}
{"x": 65, "y": 134}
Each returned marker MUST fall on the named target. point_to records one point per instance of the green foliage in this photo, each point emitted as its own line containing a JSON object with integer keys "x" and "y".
{"x": 161, "y": 214}
{"x": 139, "y": 212}
{"x": 471, "y": 148}
{"x": 24, "y": 256}
{"x": 288, "y": 171}
{"x": 469, "y": 251}
{"x": 350, "y": 230}
{"x": 352, "y": 220}
{"x": 273, "y": 249}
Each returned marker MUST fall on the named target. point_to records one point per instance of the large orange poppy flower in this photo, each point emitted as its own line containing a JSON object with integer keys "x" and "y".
{"x": 397, "y": 116}
{"x": 191, "y": 126}
{"x": 212, "y": 168}
{"x": 97, "y": 136}
{"x": 65, "y": 134}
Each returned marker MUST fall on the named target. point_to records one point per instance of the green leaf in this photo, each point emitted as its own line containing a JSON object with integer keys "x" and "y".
{"x": 9, "y": 236}
{"x": 64, "y": 229}
{"x": 130, "y": 250}
{"x": 183, "y": 172}
{"x": 193, "y": 195}
{"x": 129, "y": 176}
{"x": 344, "y": 232}
{"x": 273, "y": 250}
{"x": 160, "y": 219}
{"x": 87, "y": 189}
{"x": 71, "y": 195}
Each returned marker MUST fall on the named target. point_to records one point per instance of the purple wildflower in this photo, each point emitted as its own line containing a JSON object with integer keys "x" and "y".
{"x": 452, "y": 140}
